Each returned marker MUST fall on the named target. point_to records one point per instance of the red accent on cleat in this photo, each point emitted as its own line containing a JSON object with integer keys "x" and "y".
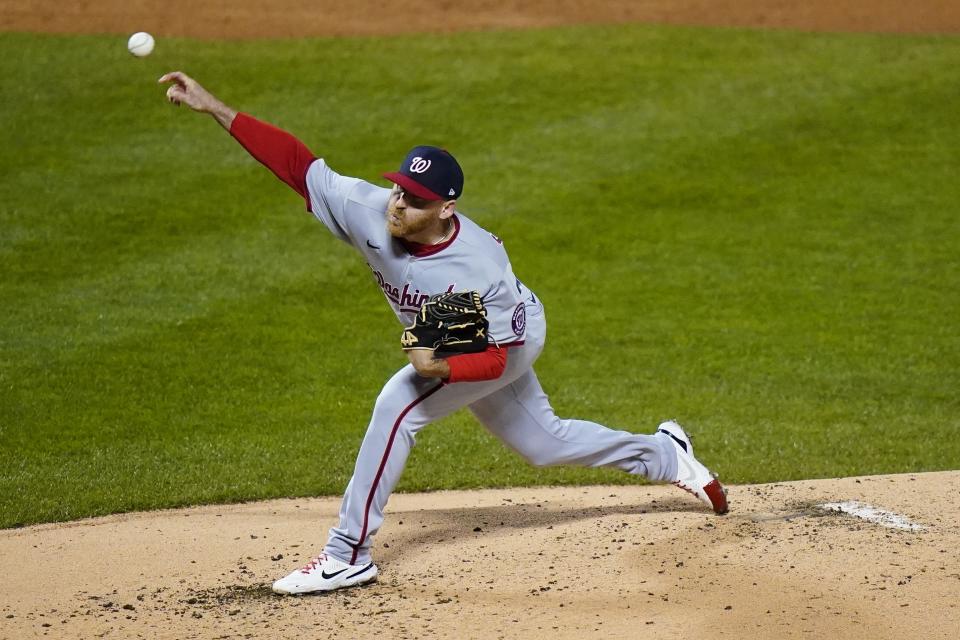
{"x": 718, "y": 497}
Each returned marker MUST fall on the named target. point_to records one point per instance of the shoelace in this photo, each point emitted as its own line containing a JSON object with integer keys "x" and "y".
{"x": 313, "y": 564}
{"x": 686, "y": 488}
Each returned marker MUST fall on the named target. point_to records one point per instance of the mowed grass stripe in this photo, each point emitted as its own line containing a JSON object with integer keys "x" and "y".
{"x": 722, "y": 224}
{"x": 151, "y": 289}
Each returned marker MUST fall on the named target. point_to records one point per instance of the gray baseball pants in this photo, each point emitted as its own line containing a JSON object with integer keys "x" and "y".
{"x": 513, "y": 407}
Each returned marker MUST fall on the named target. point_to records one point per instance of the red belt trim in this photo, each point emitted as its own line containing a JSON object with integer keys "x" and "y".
{"x": 383, "y": 464}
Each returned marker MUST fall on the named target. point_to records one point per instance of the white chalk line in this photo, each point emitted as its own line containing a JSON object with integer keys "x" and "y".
{"x": 872, "y": 514}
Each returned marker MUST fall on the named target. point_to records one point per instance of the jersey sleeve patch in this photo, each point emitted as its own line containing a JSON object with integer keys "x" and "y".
{"x": 519, "y": 323}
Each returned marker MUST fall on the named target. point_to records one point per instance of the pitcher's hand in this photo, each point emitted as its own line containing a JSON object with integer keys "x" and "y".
{"x": 185, "y": 90}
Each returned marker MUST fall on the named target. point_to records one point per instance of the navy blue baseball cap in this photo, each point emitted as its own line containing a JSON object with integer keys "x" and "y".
{"x": 430, "y": 173}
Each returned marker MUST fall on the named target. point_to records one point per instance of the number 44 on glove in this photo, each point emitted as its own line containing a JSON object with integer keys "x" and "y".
{"x": 449, "y": 323}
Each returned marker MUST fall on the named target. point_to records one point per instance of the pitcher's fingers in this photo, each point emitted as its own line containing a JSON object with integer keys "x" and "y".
{"x": 174, "y": 95}
{"x": 174, "y": 76}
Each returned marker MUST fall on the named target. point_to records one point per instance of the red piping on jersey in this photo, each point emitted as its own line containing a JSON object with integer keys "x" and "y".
{"x": 277, "y": 150}
{"x": 418, "y": 250}
{"x": 383, "y": 464}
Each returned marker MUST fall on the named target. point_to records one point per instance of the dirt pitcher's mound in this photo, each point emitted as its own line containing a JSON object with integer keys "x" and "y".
{"x": 623, "y": 562}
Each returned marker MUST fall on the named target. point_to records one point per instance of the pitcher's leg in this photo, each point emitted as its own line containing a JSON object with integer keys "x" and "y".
{"x": 383, "y": 454}
{"x": 520, "y": 414}
{"x": 406, "y": 404}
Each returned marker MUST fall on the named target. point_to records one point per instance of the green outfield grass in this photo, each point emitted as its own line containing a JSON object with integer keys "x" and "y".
{"x": 755, "y": 233}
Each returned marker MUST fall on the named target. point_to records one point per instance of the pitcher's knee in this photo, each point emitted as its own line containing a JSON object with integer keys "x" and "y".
{"x": 387, "y": 411}
{"x": 391, "y": 413}
{"x": 538, "y": 459}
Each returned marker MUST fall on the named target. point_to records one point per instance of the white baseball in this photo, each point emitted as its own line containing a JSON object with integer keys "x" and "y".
{"x": 140, "y": 44}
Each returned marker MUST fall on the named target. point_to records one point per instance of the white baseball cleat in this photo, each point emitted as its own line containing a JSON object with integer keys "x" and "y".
{"x": 692, "y": 476}
{"x": 324, "y": 573}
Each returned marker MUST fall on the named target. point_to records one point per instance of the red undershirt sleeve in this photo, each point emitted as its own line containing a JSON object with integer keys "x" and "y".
{"x": 277, "y": 150}
{"x": 472, "y": 367}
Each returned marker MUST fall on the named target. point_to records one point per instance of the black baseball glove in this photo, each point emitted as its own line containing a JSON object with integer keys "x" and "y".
{"x": 449, "y": 323}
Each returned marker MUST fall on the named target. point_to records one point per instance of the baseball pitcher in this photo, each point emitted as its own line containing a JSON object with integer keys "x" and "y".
{"x": 472, "y": 332}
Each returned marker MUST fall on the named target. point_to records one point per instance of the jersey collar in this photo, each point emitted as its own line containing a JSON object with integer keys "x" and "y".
{"x": 418, "y": 250}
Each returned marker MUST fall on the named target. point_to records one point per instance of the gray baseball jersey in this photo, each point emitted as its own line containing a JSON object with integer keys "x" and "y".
{"x": 513, "y": 407}
{"x": 471, "y": 260}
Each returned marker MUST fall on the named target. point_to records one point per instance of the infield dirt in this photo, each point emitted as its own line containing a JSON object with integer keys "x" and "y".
{"x": 295, "y": 18}
{"x": 615, "y": 562}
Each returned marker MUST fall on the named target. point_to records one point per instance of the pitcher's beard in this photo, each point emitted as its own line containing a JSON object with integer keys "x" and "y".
{"x": 394, "y": 227}
{"x": 402, "y": 225}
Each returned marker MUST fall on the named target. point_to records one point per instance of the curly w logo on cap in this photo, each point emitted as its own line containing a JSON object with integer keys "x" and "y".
{"x": 430, "y": 173}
